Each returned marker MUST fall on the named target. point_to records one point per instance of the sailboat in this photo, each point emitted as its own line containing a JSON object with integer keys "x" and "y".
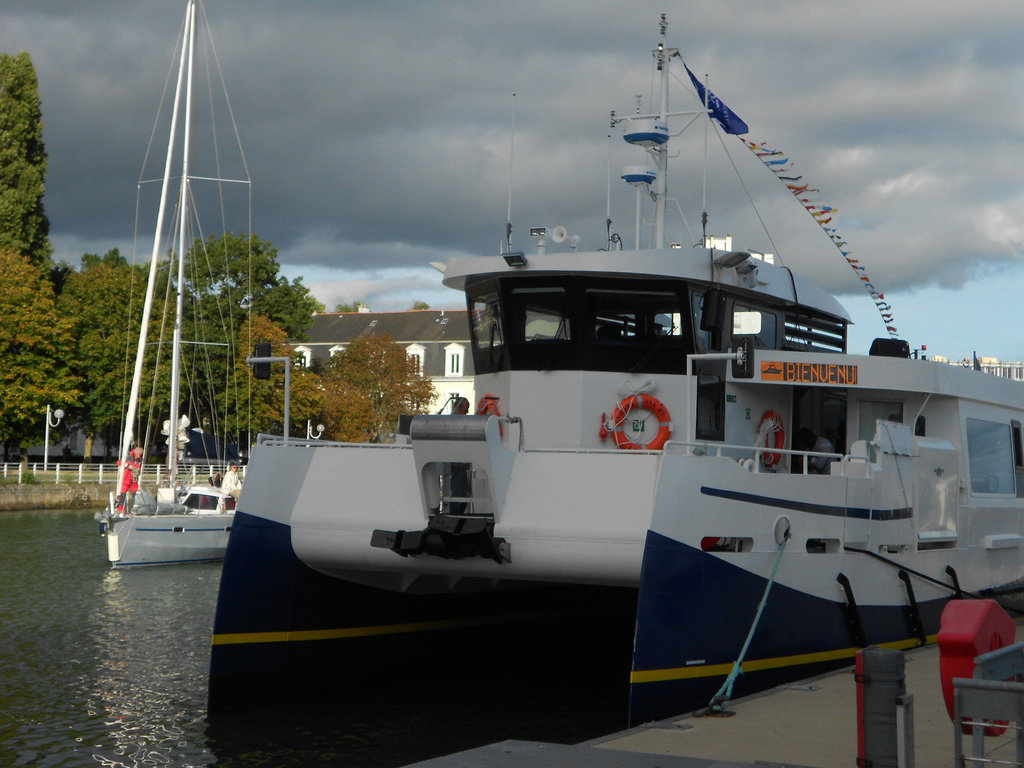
{"x": 180, "y": 523}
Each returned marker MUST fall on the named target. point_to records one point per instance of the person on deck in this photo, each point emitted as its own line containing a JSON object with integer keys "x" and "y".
{"x": 130, "y": 480}
{"x": 232, "y": 483}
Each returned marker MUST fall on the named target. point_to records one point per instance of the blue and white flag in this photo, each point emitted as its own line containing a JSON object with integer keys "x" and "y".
{"x": 729, "y": 120}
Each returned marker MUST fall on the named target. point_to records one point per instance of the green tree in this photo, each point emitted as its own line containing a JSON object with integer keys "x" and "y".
{"x": 233, "y": 274}
{"x": 231, "y": 280}
{"x": 368, "y": 386}
{"x": 37, "y": 349}
{"x": 353, "y": 307}
{"x": 420, "y": 305}
{"x": 261, "y": 403}
{"x": 24, "y": 227}
{"x": 104, "y": 302}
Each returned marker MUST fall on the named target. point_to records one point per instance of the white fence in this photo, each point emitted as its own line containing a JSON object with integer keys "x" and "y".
{"x": 99, "y": 473}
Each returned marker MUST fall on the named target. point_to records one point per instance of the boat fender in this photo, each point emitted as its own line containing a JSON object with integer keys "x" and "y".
{"x": 622, "y": 410}
{"x": 488, "y": 406}
{"x": 771, "y": 433}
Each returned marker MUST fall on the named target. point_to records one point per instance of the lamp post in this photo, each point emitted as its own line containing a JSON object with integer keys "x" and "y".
{"x": 309, "y": 430}
{"x": 57, "y": 416}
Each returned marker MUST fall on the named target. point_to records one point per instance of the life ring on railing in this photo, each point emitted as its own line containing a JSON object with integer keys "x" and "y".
{"x": 622, "y": 410}
{"x": 770, "y": 434}
{"x": 488, "y": 406}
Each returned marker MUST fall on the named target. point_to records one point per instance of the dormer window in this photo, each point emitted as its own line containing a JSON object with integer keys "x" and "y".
{"x": 453, "y": 360}
{"x": 306, "y": 355}
{"x": 416, "y": 352}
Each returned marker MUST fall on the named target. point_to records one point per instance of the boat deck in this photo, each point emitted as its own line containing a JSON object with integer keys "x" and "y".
{"x": 811, "y": 723}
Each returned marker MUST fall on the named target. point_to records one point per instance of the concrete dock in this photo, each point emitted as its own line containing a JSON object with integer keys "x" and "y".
{"x": 812, "y": 723}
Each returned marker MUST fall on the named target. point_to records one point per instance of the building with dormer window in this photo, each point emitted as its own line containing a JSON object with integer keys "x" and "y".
{"x": 437, "y": 338}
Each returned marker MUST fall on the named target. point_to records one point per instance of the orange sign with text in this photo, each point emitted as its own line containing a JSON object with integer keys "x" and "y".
{"x": 808, "y": 373}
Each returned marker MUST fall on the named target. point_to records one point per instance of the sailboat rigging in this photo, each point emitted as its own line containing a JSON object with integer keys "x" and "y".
{"x": 183, "y": 522}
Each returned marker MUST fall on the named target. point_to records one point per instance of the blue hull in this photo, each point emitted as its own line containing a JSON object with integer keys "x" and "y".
{"x": 283, "y": 628}
{"x": 695, "y": 611}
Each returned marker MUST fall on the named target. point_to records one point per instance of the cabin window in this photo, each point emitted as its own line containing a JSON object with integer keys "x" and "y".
{"x": 540, "y": 314}
{"x": 869, "y": 411}
{"x": 486, "y": 321}
{"x": 702, "y": 336}
{"x": 990, "y": 457}
{"x": 619, "y": 315}
{"x": 1018, "y": 456}
{"x": 748, "y": 321}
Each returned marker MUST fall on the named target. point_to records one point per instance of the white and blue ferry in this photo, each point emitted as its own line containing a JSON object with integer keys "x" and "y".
{"x": 673, "y": 453}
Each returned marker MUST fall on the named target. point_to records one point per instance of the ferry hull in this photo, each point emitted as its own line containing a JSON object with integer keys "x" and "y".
{"x": 285, "y": 628}
{"x": 695, "y": 613}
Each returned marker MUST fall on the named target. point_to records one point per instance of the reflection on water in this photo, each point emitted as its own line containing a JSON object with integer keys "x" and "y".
{"x": 151, "y": 635}
{"x": 100, "y": 667}
{"x": 109, "y": 668}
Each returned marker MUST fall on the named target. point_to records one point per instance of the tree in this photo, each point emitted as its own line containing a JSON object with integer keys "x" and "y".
{"x": 261, "y": 403}
{"x": 353, "y": 307}
{"x": 233, "y": 274}
{"x": 24, "y": 227}
{"x": 37, "y": 349}
{"x": 420, "y": 305}
{"x": 104, "y": 302}
{"x": 368, "y": 386}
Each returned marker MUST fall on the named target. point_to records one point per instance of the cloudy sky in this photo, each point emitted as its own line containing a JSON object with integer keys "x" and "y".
{"x": 377, "y": 136}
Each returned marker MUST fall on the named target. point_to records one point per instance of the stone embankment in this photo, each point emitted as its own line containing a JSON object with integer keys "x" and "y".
{"x": 15, "y": 497}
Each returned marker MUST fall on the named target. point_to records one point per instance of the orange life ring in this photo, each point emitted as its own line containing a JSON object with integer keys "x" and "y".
{"x": 622, "y": 410}
{"x": 771, "y": 424}
{"x": 488, "y": 406}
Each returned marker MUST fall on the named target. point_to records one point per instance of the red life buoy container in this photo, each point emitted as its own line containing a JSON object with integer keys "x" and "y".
{"x": 488, "y": 406}
{"x": 771, "y": 434}
{"x": 622, "y": 410}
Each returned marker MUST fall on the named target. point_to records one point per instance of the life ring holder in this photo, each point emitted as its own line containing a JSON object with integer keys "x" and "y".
{"x": 622, "y": 410}
{"x": 771, "y": 433}
{"x": 488, "y": 406}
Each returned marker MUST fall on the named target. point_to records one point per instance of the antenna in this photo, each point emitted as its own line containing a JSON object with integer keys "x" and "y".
{"x": 511, "y": 165}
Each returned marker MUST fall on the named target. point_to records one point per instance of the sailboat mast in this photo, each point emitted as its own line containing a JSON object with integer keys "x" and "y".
{"x": 154, "y": 259}
{"x": 172, "y": 442}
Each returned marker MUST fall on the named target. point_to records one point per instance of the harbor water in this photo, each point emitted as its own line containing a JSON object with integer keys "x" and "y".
{"x": 108, "y": 667}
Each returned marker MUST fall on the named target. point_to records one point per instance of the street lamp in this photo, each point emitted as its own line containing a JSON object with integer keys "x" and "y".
{"x": 309, "y": 430}
{"x": 57, "y": 416}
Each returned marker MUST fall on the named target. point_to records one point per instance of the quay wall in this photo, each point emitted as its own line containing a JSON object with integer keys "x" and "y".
{"x": 15, "y": 497}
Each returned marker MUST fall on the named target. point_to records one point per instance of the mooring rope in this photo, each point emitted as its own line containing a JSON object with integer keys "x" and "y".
{"x": 721, "y": 699}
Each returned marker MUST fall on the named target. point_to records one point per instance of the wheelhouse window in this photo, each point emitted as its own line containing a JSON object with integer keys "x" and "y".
{"x": 618, "y": 315}
{"x": 990, "y": 457}
{"x": 572, "y": 323}
{"x": 485, "y": 316}
{"x": 749, "y": 321}
{"x": 539, "y": 314}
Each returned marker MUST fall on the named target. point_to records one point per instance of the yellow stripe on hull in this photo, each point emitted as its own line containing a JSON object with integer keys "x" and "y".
{"x": 756, "y": 665}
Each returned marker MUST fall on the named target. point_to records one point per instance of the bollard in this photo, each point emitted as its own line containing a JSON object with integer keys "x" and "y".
{"x": 880, "y": 686}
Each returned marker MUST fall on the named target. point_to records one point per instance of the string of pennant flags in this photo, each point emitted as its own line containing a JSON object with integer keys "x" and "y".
{"x": 780, "y": 165}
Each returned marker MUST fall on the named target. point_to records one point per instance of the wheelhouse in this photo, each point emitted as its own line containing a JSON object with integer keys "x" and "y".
{"x": 636, "y": 325}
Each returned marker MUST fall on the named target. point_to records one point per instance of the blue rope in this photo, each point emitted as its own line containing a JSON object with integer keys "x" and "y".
{"x": 721, "y": 699}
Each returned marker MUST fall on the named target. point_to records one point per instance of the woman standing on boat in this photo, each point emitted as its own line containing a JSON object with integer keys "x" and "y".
{"x": 130, "y": 480}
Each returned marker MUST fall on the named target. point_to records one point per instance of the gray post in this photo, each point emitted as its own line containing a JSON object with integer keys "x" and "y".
{"x": 880, "y": 676}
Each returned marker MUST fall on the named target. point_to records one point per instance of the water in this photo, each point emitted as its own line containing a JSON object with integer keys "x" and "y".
{"x": 108, "y": 668}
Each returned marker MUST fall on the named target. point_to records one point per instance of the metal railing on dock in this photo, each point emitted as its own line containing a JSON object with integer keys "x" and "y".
{"x": 83, "y": 474}
{"x": 991, "y": 705}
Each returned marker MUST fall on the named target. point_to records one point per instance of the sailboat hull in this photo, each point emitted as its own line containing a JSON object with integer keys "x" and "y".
{"x": 168, "y": 539}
